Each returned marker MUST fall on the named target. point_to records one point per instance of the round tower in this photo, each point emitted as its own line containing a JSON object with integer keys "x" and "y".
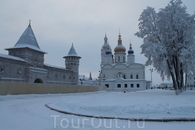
{"x": 72, "y": 60}
{"x": 120, "y": 55}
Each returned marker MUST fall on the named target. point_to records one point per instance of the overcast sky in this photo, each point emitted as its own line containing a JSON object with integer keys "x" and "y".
{"x": 59, "y": 23}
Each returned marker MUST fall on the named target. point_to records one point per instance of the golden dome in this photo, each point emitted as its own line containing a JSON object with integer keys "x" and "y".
{"x": 119, "y": 48}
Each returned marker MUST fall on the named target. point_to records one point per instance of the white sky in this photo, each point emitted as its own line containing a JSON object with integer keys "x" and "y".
{"x": 59, "y": 23}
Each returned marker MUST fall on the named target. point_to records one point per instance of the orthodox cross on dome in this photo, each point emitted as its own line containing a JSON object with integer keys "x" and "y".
{"x": 119, "y": 34}
{"x": 130, "y": 45}
{"x": 119, "y": 39}
{"x": 105, "y": 39}
{"x": 130, "y": 49}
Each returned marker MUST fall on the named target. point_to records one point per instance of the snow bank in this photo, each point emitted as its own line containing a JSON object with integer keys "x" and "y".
{"x": 153, "y": 104}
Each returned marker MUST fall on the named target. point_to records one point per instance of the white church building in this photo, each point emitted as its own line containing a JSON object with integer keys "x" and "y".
{"x": 119, "y": 72}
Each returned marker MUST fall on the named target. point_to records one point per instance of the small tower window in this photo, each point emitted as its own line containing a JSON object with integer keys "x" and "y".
{"x": 137, "y": 85}
{"x": 131, "y": 76}
{"x": 118, "y": 58}
{"x": 125, "y": 85}
{"x": 137, "y": 76}
{"x": 131, "y": 85}
{"x": 123, "y": 58}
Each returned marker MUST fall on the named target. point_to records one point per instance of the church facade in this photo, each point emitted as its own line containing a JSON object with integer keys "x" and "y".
{"x": 119, "y": 72}
{"x": 25, "y": 63}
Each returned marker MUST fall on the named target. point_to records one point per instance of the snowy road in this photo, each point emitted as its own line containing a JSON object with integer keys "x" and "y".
{"x": 28, "y": 112}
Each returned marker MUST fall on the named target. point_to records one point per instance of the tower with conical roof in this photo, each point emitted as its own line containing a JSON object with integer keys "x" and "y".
{"x": 28, "y": 48}
{"x": 120, "y": 55}
{"x": 72, "y": 60}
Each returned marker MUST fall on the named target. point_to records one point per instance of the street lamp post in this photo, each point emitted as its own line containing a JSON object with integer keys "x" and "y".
{"x": 100, "y": 78}
{"x": 151, "y": 76}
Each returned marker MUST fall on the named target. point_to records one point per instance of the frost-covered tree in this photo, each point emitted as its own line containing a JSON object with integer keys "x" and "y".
{"x": 169, "y": 41}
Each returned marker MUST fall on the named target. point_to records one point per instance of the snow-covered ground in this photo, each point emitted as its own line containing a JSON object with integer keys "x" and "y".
{"x": 142, "y": 104}
{"x": 22, "y": 112}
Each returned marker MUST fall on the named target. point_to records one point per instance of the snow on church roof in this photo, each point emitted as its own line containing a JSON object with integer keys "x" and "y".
{"x": 27, "y": 40}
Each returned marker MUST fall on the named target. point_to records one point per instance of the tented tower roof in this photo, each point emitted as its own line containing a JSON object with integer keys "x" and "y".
{"x": 27, "y": 40}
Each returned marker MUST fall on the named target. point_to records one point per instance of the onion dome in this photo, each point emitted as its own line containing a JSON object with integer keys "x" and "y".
{"x": 119, "y": 48}
{"x": 108, "y": 52}
{"x": 106, "y": 45}
{"x": 130, "y": 51}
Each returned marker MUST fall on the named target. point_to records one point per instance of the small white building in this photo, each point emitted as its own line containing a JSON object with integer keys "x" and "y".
{"x": 119, "y": 72}
{"x": 166, "y": 86}
{"x": 190, "y": 81}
